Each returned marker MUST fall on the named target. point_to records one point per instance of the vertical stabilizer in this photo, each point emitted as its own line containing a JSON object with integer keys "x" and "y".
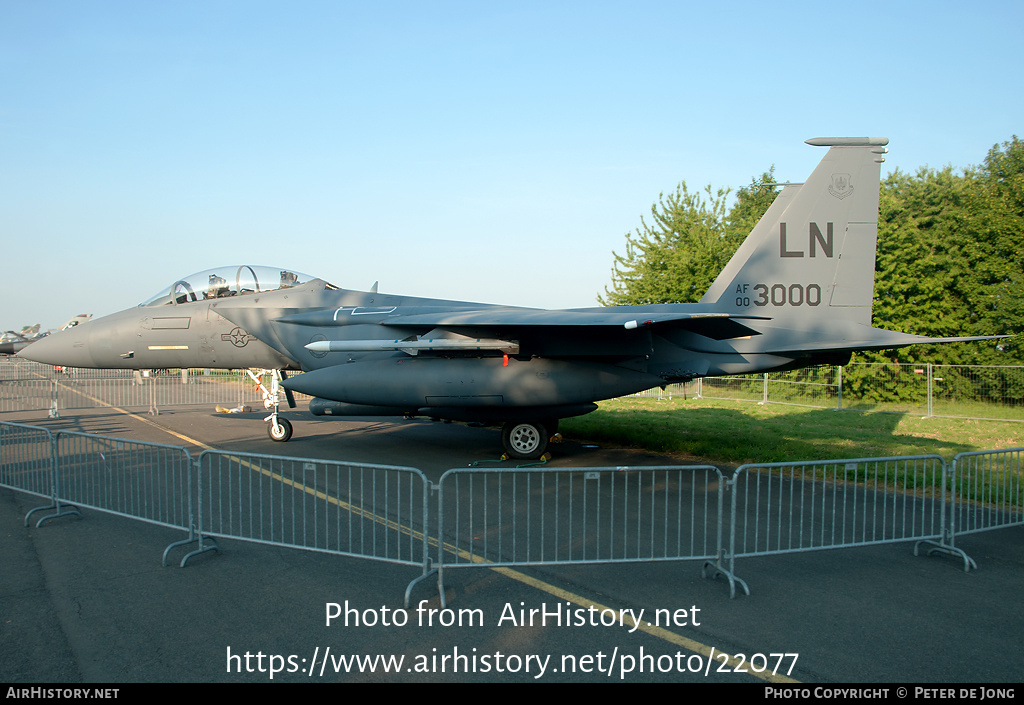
{"x": 812, "y": 254}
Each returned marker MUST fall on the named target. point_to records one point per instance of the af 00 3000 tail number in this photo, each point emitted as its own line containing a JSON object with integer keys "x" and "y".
{"x": 779, "y": 294}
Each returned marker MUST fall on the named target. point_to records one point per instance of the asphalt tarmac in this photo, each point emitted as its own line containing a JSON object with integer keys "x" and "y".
{"x": 87, "y": 599}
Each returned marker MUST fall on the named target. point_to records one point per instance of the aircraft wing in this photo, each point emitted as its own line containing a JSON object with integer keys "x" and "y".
{"x": 720, "y": 326}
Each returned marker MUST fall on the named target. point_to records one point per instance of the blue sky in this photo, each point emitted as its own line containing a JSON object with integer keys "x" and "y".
{"x": 481, "y": 151}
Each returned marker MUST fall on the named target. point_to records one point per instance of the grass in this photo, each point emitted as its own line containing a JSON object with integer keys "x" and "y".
{"x": 743, "y": 432}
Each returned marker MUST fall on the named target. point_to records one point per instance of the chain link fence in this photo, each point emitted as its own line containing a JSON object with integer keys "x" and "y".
{"x": 956, "y": 391}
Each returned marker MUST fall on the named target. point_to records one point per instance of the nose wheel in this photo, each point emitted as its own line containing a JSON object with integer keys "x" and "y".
{"x": 279, "y": 429}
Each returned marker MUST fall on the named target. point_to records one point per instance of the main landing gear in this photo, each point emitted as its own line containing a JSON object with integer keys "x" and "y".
{"x": 279, "y": 428}
{"x": 527, "y": 439}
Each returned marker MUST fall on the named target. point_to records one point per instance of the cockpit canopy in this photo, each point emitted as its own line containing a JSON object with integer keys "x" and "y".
{"x": 224, "y": 282}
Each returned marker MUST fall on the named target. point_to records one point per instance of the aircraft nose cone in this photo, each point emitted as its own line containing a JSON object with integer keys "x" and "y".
{"x": 67, "y": 348}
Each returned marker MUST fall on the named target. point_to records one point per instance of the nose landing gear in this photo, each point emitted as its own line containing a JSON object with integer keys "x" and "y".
{"x": 279, "y": 428}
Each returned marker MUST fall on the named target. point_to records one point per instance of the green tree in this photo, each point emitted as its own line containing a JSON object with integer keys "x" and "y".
{"x": 690, "y": 238}
{"x": 751, "y": 203}
{"x": 921, "y": 262}
{"x": 950, "y": 264}
{"x": 949, "y": 260}
{"x": 997, "y": 260}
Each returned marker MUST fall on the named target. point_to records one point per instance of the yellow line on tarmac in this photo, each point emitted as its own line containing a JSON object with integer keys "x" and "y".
{"x": 719, "y": 658}
{"x": 707, "y": 652}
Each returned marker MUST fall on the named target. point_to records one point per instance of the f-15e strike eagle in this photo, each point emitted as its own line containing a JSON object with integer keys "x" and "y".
{"x": 798, "y": 292}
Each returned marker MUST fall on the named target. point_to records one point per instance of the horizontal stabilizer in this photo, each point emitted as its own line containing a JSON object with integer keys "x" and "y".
{"x": 875, "y": 339}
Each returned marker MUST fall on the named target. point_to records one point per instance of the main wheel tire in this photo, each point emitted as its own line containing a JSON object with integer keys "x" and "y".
{"x": 524, "y": 439}
{"x": 281, "y": 431}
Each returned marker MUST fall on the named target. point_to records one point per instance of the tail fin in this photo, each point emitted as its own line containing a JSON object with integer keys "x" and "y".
{"x": 813, "y": 251}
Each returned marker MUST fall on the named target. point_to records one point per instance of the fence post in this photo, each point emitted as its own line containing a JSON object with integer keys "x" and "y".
{"x": 54, "y": 400}
{"x": 764, "y": 400}
{"x": 840, "y": 386}
{"x": 931, "y": 379}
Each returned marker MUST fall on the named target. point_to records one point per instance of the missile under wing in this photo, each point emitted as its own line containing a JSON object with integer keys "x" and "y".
{"x": 798, "y": 292}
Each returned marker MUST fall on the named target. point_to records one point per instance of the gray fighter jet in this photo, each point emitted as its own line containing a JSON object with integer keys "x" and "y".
{"x": 798, "y": 292}
{"x": 11, "y": 343}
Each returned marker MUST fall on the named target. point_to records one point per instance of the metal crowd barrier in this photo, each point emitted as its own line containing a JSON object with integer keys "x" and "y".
{"x": 135, "y": 479}
{"x": 30, "y": 386}
{"x": 791, "y": 507}
{"x": 27, "y": 459}
{"x": 28, "y": 463}
{"x": 986, "y": 492}
{"x": 989, "y": 490}
{"x": 351, "y": 509}
{"x": 521, "y": 516}
{"x": 532, "y": 516}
